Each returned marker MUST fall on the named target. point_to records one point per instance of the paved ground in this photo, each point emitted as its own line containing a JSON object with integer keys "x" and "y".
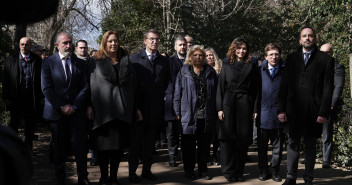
{"x": 44, "y": 174}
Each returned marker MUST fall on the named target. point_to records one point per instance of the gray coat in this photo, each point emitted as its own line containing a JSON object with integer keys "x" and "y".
{"x": 112, "y": 96}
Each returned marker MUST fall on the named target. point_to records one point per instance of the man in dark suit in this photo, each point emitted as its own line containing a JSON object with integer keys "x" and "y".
{"x": 152, "y": 73}
{"x": 304, "y": 102}
{"x": 21, "y": 90}
{"x": 173, "y": 125}
{"x": 339, "y": 81}
{"x": 65, "y": 85}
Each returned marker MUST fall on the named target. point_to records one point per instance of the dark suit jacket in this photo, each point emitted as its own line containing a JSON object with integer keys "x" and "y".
{"x": 12, "y": 76}
{"x": 175, "y": 66}
{"x": 152, "y": 81}
{"x": 339, "y": 81}
{"x": 56, "y": 91}
{"x": 306, "y": 91}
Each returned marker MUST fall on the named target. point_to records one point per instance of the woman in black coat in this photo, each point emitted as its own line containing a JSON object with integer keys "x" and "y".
{"x": 236, "y": 93}
{"x": 112, "y": 85}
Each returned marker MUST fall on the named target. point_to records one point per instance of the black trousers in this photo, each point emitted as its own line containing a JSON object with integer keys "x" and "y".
{"x": 195, "y": 148}
{"x": 109, "y": 156}
{"x": 70, "y": 132}
{"x": 293, "y": 150}
{"x": 276, "y": 136}
{"x": 142, "y": 142}
{"x": 233, "y": 158}
{"x": 173, "y": 138}
{"x": 328, "y": 128}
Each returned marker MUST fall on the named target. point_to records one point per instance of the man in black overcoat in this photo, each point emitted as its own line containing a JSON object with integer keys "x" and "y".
{"x": 152, "y": 76}
{"x": 304, "y": 102}
{"x": 173, "y": 125}
{"x": 21, "y": 90}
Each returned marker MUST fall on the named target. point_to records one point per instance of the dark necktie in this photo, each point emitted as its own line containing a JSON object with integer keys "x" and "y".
{"x": 306, "y": 58}
{"x": 273, "y": 70}
{"x": 68, "y": 72}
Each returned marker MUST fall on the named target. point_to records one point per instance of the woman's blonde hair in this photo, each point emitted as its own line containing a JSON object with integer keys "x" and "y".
{"x": 237, "y": 43}
{"x": 191, "y": 51}
{"x": 218, "y": 62}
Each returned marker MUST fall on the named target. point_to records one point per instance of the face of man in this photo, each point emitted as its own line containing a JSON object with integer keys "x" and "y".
{"x": 82, "y": 49}
{"x": 44, "y": 55}
{"x": 152, "y": 42}
{"x": 25, "y": 45}
{"x": 307, "y": 39}
{"x": 65, "y": 46}
{"x": 273, "y": 57}
{"x": 189, "y": 42}
{"x": 326, "y": 48}
{"x": 181, "y": 48}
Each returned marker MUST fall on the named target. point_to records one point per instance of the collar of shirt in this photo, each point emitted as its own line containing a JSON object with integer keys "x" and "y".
{"x": 63, "y": 62}
{"x": 148, "y": 54}
{"x": 270, "y": 67}
{"x": 22, "y": 56}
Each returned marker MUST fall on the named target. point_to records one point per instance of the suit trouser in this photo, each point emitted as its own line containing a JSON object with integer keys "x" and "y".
{"x": 195, "y": 148}
{"x": 327, "y": 139}
{"x": 276, "y": 137}
{"x": 310, "y": 151}
{"x": 233, "y": 158}
{"x": 70, "y": 132}
{"x": 173, "y": 138}
{"x": 143, "y": 139}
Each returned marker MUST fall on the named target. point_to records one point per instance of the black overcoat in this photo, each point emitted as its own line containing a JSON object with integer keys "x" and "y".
{"x": 237, "y": 103}
{"x": 306, "y": 91}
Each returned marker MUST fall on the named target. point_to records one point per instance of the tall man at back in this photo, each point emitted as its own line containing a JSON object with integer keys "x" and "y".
{"x": 173, "y": 127}
{"x": 65, "y": 85}
{"x": 153, "y": 75}
{"x": 305, "y": 101}
{"x": 189, "y": 40}
{"x": 339, "y": 81}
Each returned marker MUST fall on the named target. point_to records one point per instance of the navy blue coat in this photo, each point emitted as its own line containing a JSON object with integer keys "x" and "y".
{"x": 175, "y": 66}
{"x": 152, "y": 81}
{"x": 185, "y": 99}
{"x": 269, "y": 96}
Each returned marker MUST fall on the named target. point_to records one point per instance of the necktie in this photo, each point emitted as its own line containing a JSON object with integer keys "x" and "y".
{"x": 273, "y": 70}
{"x": 151, "y": 58}
{"x": 25, "y": 58}
{"x": 306, "y": 58}
{"x": 68, "y": 72}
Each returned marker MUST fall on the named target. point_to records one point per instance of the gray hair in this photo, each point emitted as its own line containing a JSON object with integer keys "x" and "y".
{"x": 63, "y": 33}
{"x": 180, "y": 38}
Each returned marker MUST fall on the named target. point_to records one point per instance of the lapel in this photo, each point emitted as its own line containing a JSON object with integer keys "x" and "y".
{"x": 247, "y": 67}
{"x": 145, "y": 60}
{"x": 311, "y": 58}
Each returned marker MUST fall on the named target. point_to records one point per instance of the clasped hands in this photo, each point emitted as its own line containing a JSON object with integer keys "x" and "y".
{"x": 67, "y": 110}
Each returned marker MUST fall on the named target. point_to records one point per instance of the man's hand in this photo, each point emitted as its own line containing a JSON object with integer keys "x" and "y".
{"x": 321, "y": 119}
{"x": 221, "y": 115}
{"x": 67, "y": 110}
{"x": 282, "y": 117}
{"x": 139, "y": 115}
{"x": 177, "y": 117}
{"x": 90, "y": 114}
{"x": 255, "y": 115}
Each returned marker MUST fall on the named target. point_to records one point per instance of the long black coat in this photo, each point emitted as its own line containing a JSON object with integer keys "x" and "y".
{"x": 152, "y": 80}
{"x": 238, "y": 106}
{"x": 306, "y": 91}
{"x": 11, "y": 81}
{"x": 175, "y": 66}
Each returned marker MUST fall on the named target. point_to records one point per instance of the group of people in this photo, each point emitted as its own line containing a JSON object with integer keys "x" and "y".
{"x": 121, "y": 101}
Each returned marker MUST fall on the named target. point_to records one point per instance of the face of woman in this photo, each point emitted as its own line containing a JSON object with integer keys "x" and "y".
{"x": 210, "y": 58}
{"x": 197, "y": 58}
{"x": 112, "y": 44}
{"x": 241, "y": 52}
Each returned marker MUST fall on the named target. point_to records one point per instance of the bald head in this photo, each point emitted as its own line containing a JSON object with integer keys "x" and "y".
{"x": 327, "y": 48}
{"x": 25, "y": 45}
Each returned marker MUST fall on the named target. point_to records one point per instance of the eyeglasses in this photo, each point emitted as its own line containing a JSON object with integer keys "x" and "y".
{"x": 154, "y": 39}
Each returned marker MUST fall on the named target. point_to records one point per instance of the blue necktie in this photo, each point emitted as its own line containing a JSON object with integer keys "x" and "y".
{"x": 273, "y": 70}
{"x": 68, "y": 72}
{"x": 306, "y": 58}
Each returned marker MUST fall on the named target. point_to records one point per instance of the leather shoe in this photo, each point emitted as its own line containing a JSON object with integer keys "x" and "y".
{"x": 173, "y": 164}
{"x": 84, "y": 181}
{"x": 241, "y": 179}
{"x": 276, "y": 178}
{"x": 264, "y": 175}
{"x": 149, "y": 175}
{"x": 231, "y": 179}
{"x": 308, "y": 183}
{"x": 289, "y": 181}
{"x": 133, "y": 177}
{"x": 326, "y": 164}
{"x": 103, "y": 181}
{"x": 204, "y": 176}
{"x": 190, "y": 175}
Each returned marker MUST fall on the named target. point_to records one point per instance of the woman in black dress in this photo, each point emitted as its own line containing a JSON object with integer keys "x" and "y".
{"x": 236, "y": 93}
{"x": 112, "y": 85}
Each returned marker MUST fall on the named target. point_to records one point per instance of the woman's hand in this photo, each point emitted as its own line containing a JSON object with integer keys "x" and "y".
{"x": 139, "y": 115}
{"x": 221, "y": 115}
{"x": 177, "y": 117}
{"x": 90, "y": 114}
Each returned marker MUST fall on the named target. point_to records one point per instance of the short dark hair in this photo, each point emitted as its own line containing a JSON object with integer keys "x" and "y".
{"x": 145, "y": 34}
{"x": 271, "y": 46}
{"x": 81, "y": 41}
{"x": 309, "y": 27}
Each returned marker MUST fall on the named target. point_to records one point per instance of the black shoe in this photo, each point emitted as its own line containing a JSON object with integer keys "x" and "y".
{"x": 84, "y": 181}
{"x": 204, "y": 176}
{"x": 103, "y": 181}
{"x": 149, "y": 175}
{"x": 276, "y": 178}
{"x": 191, "y": 175}
{"x": 326, "y": 164}
{"x": 264, "y": 175}
{"x": 94, "y": 162}
{"x": 61, "y": 182}
{"x": 303, "y": 161}
{"x": 173, "y": 164}
{"x": 209, "y": 163}
{"x": 241, "y": 179}
{"x": 289, "y": 181}
{"x": 132, "y": 177}
{"x": 114, "y": 181}
{"x": 308, "y": 183}
{"x": 231, "y": 179}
